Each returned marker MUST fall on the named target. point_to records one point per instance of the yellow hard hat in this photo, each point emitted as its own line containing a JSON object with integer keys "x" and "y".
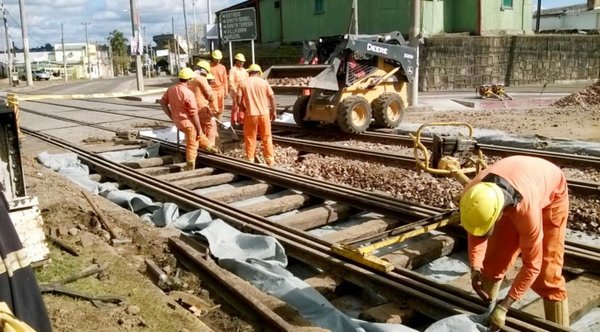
{"x": 480, "y": 207}
{"x": 216, "y": 54}
{"x": 210, "y": 76}
{"x": 204, "y": 65}
{"x": 186, "y": 73}
{"x": 254, "y": 67}
{"x": 240, "y": 57}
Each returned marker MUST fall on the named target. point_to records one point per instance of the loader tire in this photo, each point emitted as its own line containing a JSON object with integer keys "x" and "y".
{"x": 354, "y": 114}
{"x": 388, "y": 110}
{"x": 300, "y": 108}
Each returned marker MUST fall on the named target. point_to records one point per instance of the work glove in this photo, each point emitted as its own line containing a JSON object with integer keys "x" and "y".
{"x": 477, "y": 284}
{"x": 498, "y": 318}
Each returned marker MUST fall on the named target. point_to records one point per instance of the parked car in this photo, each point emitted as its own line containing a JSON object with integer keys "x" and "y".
{"x": 41, "y": 74}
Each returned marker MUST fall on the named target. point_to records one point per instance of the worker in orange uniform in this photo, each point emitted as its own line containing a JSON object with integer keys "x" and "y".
{"x": 220, "y": 85}
{"x": 204, "y": 96}
{"x": 179, "y": 104}
{"x": 519, "y": 204}
{"x": 236, "y": 75}
{"x": 257, "y": 99}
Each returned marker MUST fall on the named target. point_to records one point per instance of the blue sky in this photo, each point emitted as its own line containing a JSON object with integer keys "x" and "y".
{"x": 45, "y": 16}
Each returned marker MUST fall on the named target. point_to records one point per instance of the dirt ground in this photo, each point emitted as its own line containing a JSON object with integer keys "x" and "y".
{"x": 573, "y": 122}
{"x": 147, "y": 308}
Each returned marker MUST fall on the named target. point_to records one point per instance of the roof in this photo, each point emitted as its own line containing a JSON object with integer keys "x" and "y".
{"x": 243, "y": 4}
{"x": 563, "y": 10}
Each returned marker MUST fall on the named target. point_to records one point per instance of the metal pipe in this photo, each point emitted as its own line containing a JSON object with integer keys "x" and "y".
{"x": 537, "y": 18}
{"x": 355, "y": 15}
{"x": 415, "y": 32}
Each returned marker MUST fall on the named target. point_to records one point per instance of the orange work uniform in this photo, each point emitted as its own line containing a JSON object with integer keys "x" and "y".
{"x": 535, "y": 227}
{"x": 256, "y": 94}
{"x": 219, "y": 86}
{"x": 204, "y": 97}
{"x": 183, "y": 108}
{"x": 236, "y": 76}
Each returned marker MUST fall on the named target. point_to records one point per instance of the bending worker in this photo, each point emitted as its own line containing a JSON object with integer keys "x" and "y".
{"x": 257, "y": 99}
{"x": 204, "y": 96}
{"x": 179, "y": 104}
{"x": 518, "y": 204}
{"x": 237, "y": 74}
{"x": 219, "y": 85}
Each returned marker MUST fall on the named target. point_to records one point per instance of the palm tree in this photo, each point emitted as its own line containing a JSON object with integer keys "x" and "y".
{"x": 117, "y": 42}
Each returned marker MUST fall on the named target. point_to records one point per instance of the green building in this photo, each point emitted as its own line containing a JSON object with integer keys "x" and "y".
{"x": 299, "y": 20}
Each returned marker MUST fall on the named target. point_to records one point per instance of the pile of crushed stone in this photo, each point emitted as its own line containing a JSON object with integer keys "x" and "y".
{"x": 587, "y": 97}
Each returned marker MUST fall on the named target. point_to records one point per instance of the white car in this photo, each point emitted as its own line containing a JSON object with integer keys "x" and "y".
{"x": 40, "y": 74}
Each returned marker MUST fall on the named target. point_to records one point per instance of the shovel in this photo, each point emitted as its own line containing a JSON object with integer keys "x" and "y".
{"x": 231, "y": 131}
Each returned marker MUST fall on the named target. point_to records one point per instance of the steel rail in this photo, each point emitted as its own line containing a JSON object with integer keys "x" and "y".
{"x": 92, "y": 110}
{"x": 562, "y": 159}
{"x": 301, "y": 245}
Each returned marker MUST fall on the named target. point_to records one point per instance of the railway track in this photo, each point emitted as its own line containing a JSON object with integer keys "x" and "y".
{"x": 562, "y": 159}
{"x": 395, "y": 285}
{"x": 459, "y": 301}
{"x": 577, "y": 187}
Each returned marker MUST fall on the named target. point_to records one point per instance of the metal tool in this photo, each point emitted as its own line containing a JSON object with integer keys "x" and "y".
{"x": 230, "y": 129}
{"x": 452, "y": 155}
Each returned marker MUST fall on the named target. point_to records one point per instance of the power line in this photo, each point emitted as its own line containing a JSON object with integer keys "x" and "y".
{"x": 19, "y": 26}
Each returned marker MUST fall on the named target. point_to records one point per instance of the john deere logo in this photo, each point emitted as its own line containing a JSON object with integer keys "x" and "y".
{"x": 377, "y": 49}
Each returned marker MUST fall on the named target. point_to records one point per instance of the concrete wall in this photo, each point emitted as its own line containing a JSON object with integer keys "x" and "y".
{"x": 511, "y": 20}
{"x": 463, "y": 62}
{"x": 588, "y": 20}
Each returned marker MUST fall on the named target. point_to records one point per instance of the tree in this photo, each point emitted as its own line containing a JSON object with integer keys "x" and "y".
{"x": 121, "y": 58}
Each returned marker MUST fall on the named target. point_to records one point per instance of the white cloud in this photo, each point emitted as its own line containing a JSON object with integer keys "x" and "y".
{"x": 44, "y": 18}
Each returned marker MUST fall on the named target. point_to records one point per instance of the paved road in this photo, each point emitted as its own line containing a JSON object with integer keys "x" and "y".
{"x": 436, "y": 100}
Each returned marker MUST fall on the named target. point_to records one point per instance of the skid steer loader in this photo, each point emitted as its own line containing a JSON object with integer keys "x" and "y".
{"x": 364, "y": 78}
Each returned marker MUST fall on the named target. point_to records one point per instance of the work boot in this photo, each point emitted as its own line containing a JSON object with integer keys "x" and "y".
{"x": 491, "y": 287}
{"x": 557, "y": 311}
{"x": 189, "y": 165}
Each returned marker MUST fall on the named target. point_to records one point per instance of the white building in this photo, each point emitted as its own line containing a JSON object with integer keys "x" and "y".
{"x": 80, "y": 64}
{"x": 577, "y": 17}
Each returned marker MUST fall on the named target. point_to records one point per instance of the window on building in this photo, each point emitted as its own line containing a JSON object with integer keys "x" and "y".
{"x": 277, "y": 3}
{"x": 507, "y": 3}
{"x": 319, "y": 6}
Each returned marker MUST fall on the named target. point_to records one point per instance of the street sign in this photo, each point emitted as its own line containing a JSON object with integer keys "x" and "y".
{"x": 238, "y": 25}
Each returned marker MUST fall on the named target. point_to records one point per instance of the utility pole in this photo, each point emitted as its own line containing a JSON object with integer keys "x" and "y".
{"x": 87, "y": 50}
{"x": 176, "y": 45}
{"x": 355, "y": 15}
{"x": 135, "y": 27}
{"x": 195, "y": 26}
{"x": 187, "y": 38}
{"x": 209, "y": 45}
{"x": 110, "y": 60}
{"x": 25, "y": 44}
{"x": 148, "y": 55}
{"x": 62, "y": 40}
{"x": 208, "y": 11}
{"x": 414, "y": 35}
{"x": 9, "y": 57}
